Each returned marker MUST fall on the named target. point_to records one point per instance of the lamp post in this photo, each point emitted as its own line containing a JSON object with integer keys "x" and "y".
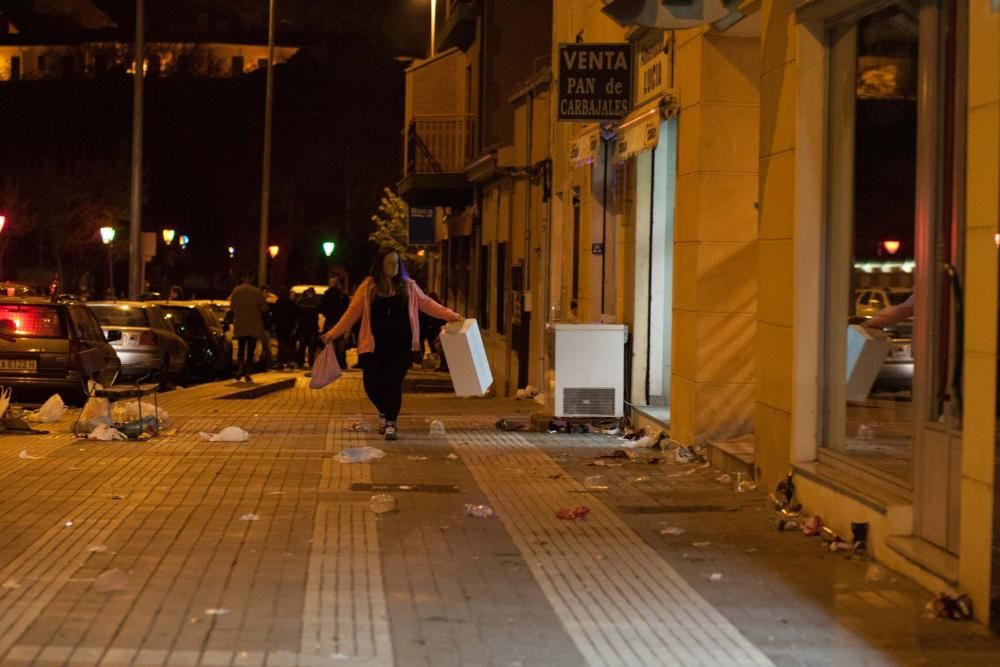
{"x": 168, "y": 238}
{"x": 107, "y": 236}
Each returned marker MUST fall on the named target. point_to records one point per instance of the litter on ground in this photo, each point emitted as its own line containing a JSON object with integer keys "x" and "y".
{"x": 358, "y": 455}
{"x": 228, "y": 434}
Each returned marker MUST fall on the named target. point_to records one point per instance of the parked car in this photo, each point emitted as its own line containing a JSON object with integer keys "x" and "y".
{"x": 140, "y": 333}
{"x": 40, "y": 341}
{"x": 17, "y": 289}
{"x": 870, "y": 300}
{"x": 210, "y": 354}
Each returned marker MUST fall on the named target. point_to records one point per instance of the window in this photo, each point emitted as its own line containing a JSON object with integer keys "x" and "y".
{"x": 121, "y": 316}
{"x": 484, "y": 286}
{"x": 872, "y": 140}
{"x": 261, "y": 63}
{"x": 32, "y": 321}
{"x": 41, "y": 63}
{"x": 68, "y": 67}
{"x": 236, "y": 66}
{"x": 15, "y": 68}
{"x": 501, "y": 283}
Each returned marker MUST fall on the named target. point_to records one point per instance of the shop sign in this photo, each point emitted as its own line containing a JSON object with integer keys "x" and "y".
{"x": 583, "y": 150}
{"x": 421, "y": 225}
{"x": 652, "y": 65}
{"x": 595, "y": 82}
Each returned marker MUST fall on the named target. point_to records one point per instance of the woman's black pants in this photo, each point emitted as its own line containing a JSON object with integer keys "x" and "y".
{"x": 383, "y": 375}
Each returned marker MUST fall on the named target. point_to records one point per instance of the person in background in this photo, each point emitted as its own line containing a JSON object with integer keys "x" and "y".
{"x": 266, "y": 357}
{"x": 248, "y": 308}
{"x": 891, "y": 315}
{"x": 284, "y": 316}
{"x": 307, "y": 328}
{"x": 430, "y": 332}
{"x": 332, "y": 305}
{"x": 387, "y": 303}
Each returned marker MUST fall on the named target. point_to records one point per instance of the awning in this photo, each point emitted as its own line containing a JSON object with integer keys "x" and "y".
{"x": 583, "y": 149}
{"x": 640, "y": 130}
{"x": 675, "y": 14}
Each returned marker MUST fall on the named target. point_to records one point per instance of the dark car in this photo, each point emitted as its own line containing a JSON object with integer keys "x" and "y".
{"x": 141, "y": 334}
{"x": 40, "y": 340}
{"x": 210, "y": 355}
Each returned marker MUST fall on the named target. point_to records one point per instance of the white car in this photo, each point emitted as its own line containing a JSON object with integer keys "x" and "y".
{"x": 870, "y": 300}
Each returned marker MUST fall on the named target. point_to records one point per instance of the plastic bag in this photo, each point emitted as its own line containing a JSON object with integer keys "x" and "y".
{"x": 52, "y": 410}
{"x": 94, "y": 408}
{"x": 4, "y": 400}
{"x": 106, "y": 433}
{"x": 358, "y": 455}
{"x": 326, "y": 369}
{"x": 228, "y": 434}
{"x": 123, "y": 412}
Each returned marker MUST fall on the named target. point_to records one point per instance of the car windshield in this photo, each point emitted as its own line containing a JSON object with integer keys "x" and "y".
{"x": 121, "y": 316}
{"x": 32, "y": 321}
{"x": 896, "y": 298}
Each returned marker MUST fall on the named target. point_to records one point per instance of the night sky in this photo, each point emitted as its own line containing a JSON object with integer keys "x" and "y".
{"x": 338, "y": 116}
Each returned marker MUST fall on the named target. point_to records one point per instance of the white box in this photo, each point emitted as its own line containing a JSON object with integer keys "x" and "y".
{"x": 866, "y": 352}
{"x": 589, "y": 369}
{"x": 466, "y": 356}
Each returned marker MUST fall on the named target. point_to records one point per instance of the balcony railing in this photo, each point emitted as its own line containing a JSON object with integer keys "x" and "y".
{"x": 439, "y": 144}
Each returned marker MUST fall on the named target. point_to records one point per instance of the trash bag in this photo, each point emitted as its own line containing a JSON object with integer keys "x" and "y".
{"x": 228, "y": 434}
{"x": 123, "y": 412}
{"x": 52, "y": 410}
{"x": 325, "y": 369}
{"x": 4, "y": 400}
{"x": 105, "y": 433}
{"x": 95, "y": 408}
{"x": 437, "y": 427}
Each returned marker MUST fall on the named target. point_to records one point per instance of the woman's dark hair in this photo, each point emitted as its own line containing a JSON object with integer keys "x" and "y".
{"x": 376, "y": 272}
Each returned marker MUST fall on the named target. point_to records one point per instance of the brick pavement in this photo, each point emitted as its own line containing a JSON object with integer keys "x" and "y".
{"x": 317, "y": 579}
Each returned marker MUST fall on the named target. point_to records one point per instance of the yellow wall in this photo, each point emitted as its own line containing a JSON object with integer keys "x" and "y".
{"x": 715, "y": 254}
{"x": 982, "y": 215}
{"x": 772, "y": 414}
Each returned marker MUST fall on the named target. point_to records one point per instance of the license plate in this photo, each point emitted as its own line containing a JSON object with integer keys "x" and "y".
{"x": 18, "y": 364}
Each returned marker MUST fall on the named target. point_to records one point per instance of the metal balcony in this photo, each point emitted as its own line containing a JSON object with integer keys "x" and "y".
{"x": 436, "y": 151}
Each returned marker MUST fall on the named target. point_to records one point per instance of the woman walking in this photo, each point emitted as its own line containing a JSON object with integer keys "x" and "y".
{"x": 387, "y": 303}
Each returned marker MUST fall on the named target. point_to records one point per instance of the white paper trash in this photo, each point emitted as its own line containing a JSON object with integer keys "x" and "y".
{"x": 466, "y": 356}
{"x": 866, "y": 352}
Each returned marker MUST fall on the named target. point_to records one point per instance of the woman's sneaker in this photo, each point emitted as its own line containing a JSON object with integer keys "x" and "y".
{"x": 381, "y": 424}
{"x": 390, "y": 431}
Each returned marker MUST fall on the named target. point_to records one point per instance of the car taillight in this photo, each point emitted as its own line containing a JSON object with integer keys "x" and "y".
{"x": 148, "y": 338}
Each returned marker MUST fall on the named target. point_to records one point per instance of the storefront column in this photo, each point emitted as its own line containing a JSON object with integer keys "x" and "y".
{"x": 715, "y": 283}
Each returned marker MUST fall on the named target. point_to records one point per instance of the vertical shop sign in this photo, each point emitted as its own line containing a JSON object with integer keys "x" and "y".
{"x": 652, "y": 67}
{"x": 595, "y": 82}
{"x": 421, "y": 226}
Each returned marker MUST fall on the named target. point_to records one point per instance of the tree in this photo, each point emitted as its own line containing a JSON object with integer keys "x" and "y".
{"x": 392, "y": 229}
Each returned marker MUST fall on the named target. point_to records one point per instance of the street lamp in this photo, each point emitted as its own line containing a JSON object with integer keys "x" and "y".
{"x": 3, "y": 221}
{"x": 328, "y": 247}
{"x": 891, "y": 247}
{"x": 273, "y": 251}
{"x": 232, "y": 252}
{"x": 183, "y": 241}
{"x": 168, "y": 236}
{"x": 107, "y": 236}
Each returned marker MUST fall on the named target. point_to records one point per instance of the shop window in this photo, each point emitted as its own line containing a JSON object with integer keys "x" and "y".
{"x": 873, "y": 124}
{"x": 15, "y": 68}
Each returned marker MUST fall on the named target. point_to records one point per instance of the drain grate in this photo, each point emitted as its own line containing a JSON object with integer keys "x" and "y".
{"x": 403, "y": 486}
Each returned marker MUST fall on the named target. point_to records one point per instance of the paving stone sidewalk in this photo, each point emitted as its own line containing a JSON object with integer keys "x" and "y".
{"x": 267, "y": 552}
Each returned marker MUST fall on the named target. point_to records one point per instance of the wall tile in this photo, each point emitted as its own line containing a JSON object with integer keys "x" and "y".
{"x": 979, "y": 422}
{"x": 685, "y": 276}
{"x": 774, "y": 366}
{"x": 983, "y": 175}
{"x": 689, "y": 140}
{"x": 975, "y": 553}
{"x": 687, "y": 70}
{"x": 726, "y": 278}
{"x": 981, "y": 277}
{"x": 775, "y": 284}
{"x": 984, "y": 66}
{"x": 778, "y": 36}
{"x": 723, "y": 346}
{"x": 777, "y": 203}
{"x": 681, "y": 409}
{"x": 772, "y": 453}
{"x": 684, "y": 344}
{"x": 777, "y": 111}
{"x": 722, "y": 411}
{"x": 687, "y": 208}
{"x": 730, "y": 139}
{"x": 730, "y": 69}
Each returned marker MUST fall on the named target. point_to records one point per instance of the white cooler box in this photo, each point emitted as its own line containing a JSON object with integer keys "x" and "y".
{"x": 466, "y": 356}
{"x": 866, "y": 352}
